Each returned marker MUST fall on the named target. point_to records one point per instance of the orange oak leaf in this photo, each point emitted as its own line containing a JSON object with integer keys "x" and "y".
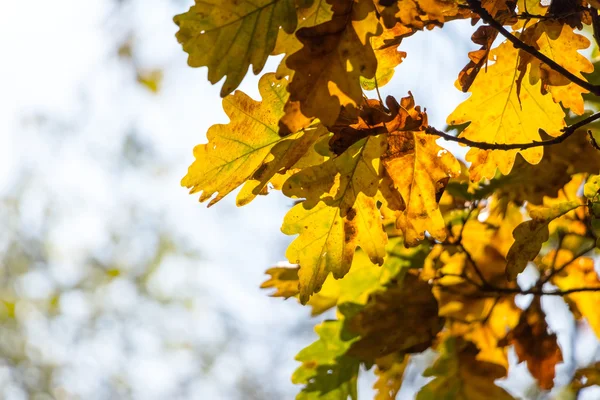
{"x": 534, "y": 345}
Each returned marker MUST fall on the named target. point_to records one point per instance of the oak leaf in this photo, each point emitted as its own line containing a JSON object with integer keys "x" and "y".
{"x": 387, "y": 54}
{"x": 284, "y": 280}
{"x": 338, "y": 215}
{"x": 326, "y": 372}
{"x": 480, "y": 319}
{"x": 228, "y": 36}
{"x": 530, "y": 235}
{"x": 328, "y": 68}
{"x": 240, "y": 150}
{"x": 534, "y": 345}
{"x": 460, "y": 376}
{"x": 420, "y": 170}
{"x": 287, "y": 157}
{"x": 390, "y": 371}
{"x": 308, "y": 16}
{"x": 532, "y": 183}
{"x": 420, "y": 14}
{"x": 558, "y": 41}
{"x": 502, "y": 110}
{"x": 403, "y": 318}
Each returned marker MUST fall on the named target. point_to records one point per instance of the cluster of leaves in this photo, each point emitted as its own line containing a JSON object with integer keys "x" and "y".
{"x": 413, "y": 248}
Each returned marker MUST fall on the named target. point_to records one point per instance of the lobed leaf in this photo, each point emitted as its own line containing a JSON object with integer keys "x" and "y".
{"x": 241, "y": 150}
{"x": 460, "y": 376}
{"x": 534, "y": 345}
{"x": 530, "y": 235}
{"x": 338, "y": 215}
{"x": 505, "y": 107}
{"x": 328, "y": 68}
{"x": 228, "y": 36}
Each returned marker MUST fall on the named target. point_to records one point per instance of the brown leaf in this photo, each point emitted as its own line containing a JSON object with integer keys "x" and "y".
{"x": 534, "y": 345}
{"x": 403, "y": 318}
{"x": 328, "y": 68}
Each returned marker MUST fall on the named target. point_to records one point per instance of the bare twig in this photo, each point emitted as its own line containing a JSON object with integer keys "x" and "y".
{"x": 567, "y": 131}
{"x": 575, "y": 257}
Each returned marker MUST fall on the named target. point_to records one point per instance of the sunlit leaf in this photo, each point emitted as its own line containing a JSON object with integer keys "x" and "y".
{"x": 504, "y": 108}
{"x": 460, "y": 376}
{"x": 228, "y": 36}
{"x": 530, "y": 235}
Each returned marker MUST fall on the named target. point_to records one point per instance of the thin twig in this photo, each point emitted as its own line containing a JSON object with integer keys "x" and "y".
{"x": 475, "y": 6}
{"x": 575, "y": 257}
{"x": 484, "y": 282}
{"x": 567, "y": 131}
{"x": 495, "y": 292}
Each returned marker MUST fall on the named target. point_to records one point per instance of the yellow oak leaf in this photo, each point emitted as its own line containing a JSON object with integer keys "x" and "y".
{"x": 534, "y": 345}
{"x": 228, "y": 36}
{"x": 530, "y": 235}
{"x": 403, "y": 318}
{"x": 339, "y": 213}
{"x": 420, "y": 170}
{"x": 503, "y": 110}
{"x": 328, "y": 68}
{"x": 287, "y": 156}
{"x": 388, "y": 55}
{"x": 420, "y": 14}
{"x": 390, "y": 371}
{"x": 558, "y": 41}
{"x": 459, "y": 375}
{"x": 580, "y": 273}
{"x": 237, "y": 150}
{"x": 284, "y": 280}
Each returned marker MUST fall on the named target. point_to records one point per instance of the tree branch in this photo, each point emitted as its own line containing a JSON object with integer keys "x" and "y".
{"x": 575, "y": 257}
{"x": 567, "y": 131}
{"x": 476, "y": 7}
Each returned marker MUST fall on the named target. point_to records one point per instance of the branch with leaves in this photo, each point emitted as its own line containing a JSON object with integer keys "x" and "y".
{"x": 415, "y": 248}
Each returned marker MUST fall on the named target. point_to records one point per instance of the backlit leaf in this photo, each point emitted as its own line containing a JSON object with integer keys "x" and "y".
{"x": 558, "y": 41}
{"x": 578, "y": 274}
{"x": 326, "y": 372}
{"x": 530, "y": 235}
{"x": 404, "y": 318}
{"x": 503, "y": 111}
{"x": 328, "y": 68}
{"x": 337, "y": 216}
{"x": 228, "y": 36}
{"x": 235, "y": 151}
{"x": 284, "y": 280}
{"x": 390, "y": 371}
{"x": 534, "y": 345}
{"x": 460, "y": 376}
